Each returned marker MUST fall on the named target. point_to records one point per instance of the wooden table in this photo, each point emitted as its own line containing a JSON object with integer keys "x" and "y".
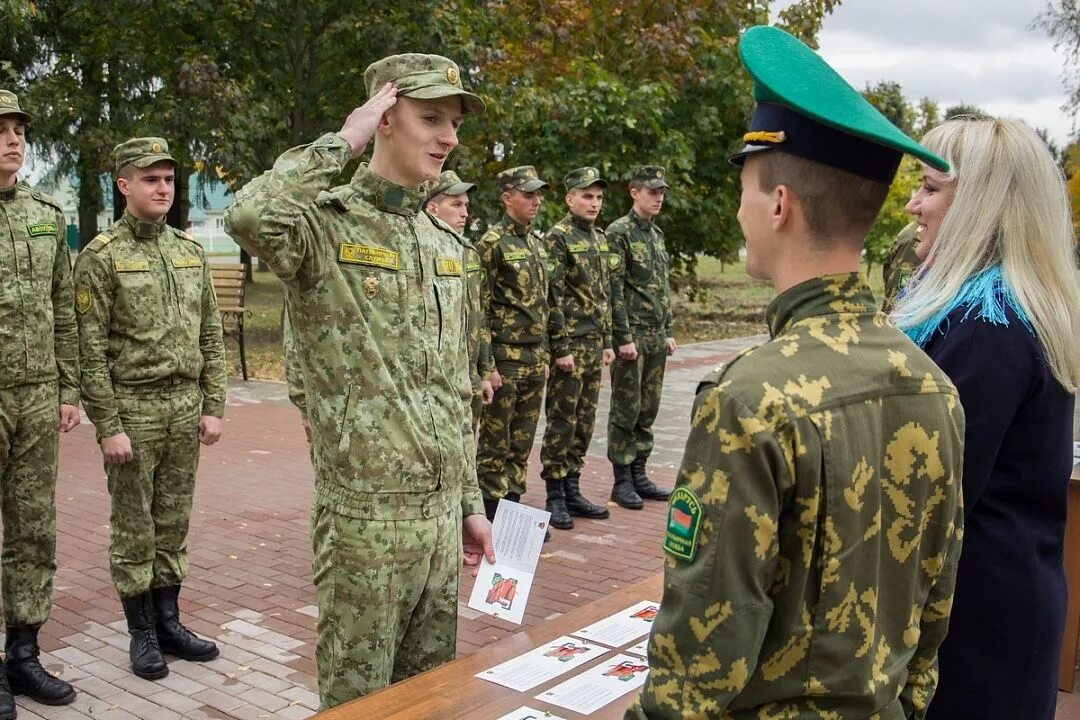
{"x": 450, "y": 692}
{"x": 1067, "y": 660}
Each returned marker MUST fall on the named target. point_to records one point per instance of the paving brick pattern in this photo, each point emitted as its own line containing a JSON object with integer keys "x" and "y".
{"x": 250, "y": 579}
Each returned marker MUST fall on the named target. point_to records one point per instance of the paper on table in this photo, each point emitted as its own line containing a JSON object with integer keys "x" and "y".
{"x": 527, "y": 713}
{"x": 642, "y": 648}
{"x": 596, "y": 687}
{"x": 622, "y": 627}
{"x": 502, "y": 589}
{"x": 542, "y": 664}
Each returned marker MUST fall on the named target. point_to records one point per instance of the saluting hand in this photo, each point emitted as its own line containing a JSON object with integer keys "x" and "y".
{"x": 362, "y": 122}
{"x": 69, "y": 417}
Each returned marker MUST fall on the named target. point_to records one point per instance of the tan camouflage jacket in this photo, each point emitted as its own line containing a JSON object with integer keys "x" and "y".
{"x": 479, "y": 337}
{"x": 147, "y": 315}
{"x": 38, "y": 338}
{"x": 900, "y": 264}
{"x": 516, "y": 266}
{"x": 378, "y": 313}
{"x": 639, "y": 264}
{"x": 578, "y": 286}
{"x": 813, "y": 535}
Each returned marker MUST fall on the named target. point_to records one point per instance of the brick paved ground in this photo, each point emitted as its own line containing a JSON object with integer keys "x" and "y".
{"x": 250, "y": 581}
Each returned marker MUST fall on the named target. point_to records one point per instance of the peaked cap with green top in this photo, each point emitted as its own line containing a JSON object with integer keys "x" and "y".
{"x": 806, "y": 109}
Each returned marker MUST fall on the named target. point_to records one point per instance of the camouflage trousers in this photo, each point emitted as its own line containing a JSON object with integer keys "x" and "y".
{"x": 153, "y": 492}
{"x": 570, "y": 410}
{"x": 508, "y": 424}
{"x": 387, "y": 593}
{"x": 29, "y": 443}
{"x": 477, "y": 407}
{"x": 636, "y": 386}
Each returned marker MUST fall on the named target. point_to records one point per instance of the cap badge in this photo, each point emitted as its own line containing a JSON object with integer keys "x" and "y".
{"x": 452, "y": 75}
{"x": 659, "y": 174}
{"x": 156, "y": 147}
{"x": 6, "y": 99}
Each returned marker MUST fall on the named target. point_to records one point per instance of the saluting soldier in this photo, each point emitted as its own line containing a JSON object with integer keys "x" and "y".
{"x": 900, "y": 264}
{"x": 153, "y": 384}
{"x": 515, "y": 265}
{"x": 642, "y": 336}
{"x": 39, "y": 398}
{"x": 813, "y": 535}
{"x": 579, "y": 331}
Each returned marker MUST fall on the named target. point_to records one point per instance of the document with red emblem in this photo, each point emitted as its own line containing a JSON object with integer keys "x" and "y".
{"x": 502, "y": 588}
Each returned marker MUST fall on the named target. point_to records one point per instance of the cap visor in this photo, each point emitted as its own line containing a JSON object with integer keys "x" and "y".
{"x": 472, "y": 103}
{"x": 740, "y": 157}
{"x": 459, "y": 189}
{"x": 656, "y": 184}
{"x": 532, "y": 185}
{"x": 145, "y": 162}
{"x": 25, "y": 117}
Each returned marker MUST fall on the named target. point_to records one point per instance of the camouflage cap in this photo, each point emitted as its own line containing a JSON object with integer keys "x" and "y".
{"x": 651, "y": 176}
{"x": 450, "y": 184}
{"x": 521, "y": 178}
{"x": 141, "y": 152}
{"x": 425, "y": 77}
{"x": 583, "y": 177}
{"x": 9, "y": 105}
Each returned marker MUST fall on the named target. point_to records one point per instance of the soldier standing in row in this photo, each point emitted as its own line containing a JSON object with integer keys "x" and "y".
{"x": 579, "y": 331}
{"x": 153, "y": 384}
{"x": 515, "y": 265}
{"x": 813, "y": 536}
{"x": 378, "y": 309}
{"x": 642, "y": 336}
{"x": 39, "y": 398}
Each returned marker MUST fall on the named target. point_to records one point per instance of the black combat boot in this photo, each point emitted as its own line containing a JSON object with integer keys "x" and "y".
{"x": 7, "y": 701}
{"x": 25, "y": 676}
{"x": 174, "y": 638}
{"x": 645, "y": 487}
{"x": 578, "y": 504}
{"x": 145, "y": 653}
{"x": 623, "y": 491}
{"x": 556, "y": 505}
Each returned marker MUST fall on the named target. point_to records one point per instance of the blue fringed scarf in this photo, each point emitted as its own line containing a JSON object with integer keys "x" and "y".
{"x": 986, "y": 295}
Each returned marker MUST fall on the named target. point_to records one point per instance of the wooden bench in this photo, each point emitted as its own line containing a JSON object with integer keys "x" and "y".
{"x": 229, "y": 287}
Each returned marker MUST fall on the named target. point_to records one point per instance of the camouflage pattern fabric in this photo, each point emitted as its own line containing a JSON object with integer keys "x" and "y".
{"x": 40, "y": 371}
{"x": 900, "y": 264}
{"x": 379, "y": 320}
{"x": 294, "y": 373}
{"x": 578, "y": 286}
{"x": 636, "y": 387}
{"x": 394, "y": 613}
{"x": 515, "y": 263}
{"x": 813, "y": 537}
{"x": 479, "y": 338}
{"x": 153, "y": 492}
{"x": 639, "y": 267}
{"x": 570, "y": 410}
{"x": 28, "y": 454}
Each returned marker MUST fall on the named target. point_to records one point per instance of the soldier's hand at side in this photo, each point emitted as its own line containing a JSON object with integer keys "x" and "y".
{"x": 69, "y": 417}
{"x": 496, "y": 380}
{"x": 671, "y": 346}
{"x": 362, "y": 122}
{"x": 117, "y": 449}
{"x": 628, "y": 351}
{"x": 476, "y": 542}
{"x": 607, "y": 357}
{"x": 209, "y": 429}
{"x": 487, "y": 393}
{"x": 565, "y": 363}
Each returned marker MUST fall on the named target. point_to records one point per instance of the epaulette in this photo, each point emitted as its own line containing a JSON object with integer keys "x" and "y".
{"x": 716, "y": 375}
{"x": 185, "y": 236}
{"x": 99, "y": 242}
{"x": 561, "y": 227}
{"x": 536, "y": 233}
{"x": 47, "y": 199}
{"x": 336, "y": 198}
{"x": 441, "y": 224}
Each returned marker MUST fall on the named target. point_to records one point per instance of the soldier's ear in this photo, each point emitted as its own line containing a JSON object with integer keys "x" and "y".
{"x": 784, "y": 206}
{"x": 122, "y": 185}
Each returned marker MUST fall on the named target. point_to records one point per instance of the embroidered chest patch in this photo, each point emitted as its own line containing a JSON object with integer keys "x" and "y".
{"x": 186, "y": 262}
{"x": 683, "y": 524}
{"x": 447, "y": 266}
{"x": 131, "y": 265}
{"x": 578, "y": 247}
{"x": 366, "y": 255}
{"x": 516, "y": 255}
{"x": 41, "y": 229}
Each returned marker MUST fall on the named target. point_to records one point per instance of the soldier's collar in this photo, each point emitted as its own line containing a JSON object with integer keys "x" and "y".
{"x": 514, "y": 226}
{"x": 640, "y": 221}
{"x": 142, "y": 229}
{"x": 826, "y": 295}
{"x": 385, "y": 195}
{"x": 9, "y": 194}
{"x": 580, "y": 222}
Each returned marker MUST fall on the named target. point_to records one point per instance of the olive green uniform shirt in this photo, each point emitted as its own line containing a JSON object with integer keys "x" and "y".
{"x": 900, "y": 264}
{"x": 639, "y": 264}
{"x": 578, "y": 286}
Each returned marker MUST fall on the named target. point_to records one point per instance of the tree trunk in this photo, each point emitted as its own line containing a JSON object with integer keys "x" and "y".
{"x": 178, "y": 213}
{"x": 90, "y": 203}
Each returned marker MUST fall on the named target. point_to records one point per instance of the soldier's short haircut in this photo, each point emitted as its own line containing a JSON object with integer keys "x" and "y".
{"x": 637, "y": 184}
{"x": 835, "y": 203}
{"x": 127, "y": 172}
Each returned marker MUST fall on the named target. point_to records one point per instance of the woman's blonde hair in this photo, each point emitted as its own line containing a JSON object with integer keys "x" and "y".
{"x": 1011, "y": 207}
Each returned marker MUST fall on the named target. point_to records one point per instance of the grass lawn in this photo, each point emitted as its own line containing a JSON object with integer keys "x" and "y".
{"x": 728, "y": 303}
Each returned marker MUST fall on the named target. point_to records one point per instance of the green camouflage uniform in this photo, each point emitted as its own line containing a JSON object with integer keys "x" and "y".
{"x": 640, "y": 314}
{"x": 153, "y": 361}
{"x": 579, "y": 325}
{"x": 813, "y": 536}
{"x": 39, "y": 372}
{"x": 294, "y": 371}
{"x": 900, "y": 264}
{"x": 479, "y": 338}
{"x": 379, "y": 319}
{"x": 515, "y": 264}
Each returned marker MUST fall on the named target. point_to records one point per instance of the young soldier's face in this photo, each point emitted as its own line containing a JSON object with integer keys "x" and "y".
{"x": 756, "y": 210}
{"x": 422, "y": 133}
{"x": 648, "y": 201}
{"x": 149, "y": 190}
{"x": 586, "y": 202}
{"x": 522, "y": 206}
{"x": 12, "y": 148}
{"x": 451, "y": 209}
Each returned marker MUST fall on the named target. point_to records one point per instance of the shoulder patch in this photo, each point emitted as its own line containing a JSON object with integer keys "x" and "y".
{"x": 683, "y": 524}
{"x": 47, "y": 199}
{"x": 186, "y": 236}
{"x": 98, "y": 243}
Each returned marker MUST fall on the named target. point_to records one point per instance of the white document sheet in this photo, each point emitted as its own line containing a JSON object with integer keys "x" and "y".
{"x": 642, "y": 648}
{"x": 596, "y": 687}
{"x": 623, "y": 627}
{"x": 502, "y": 589}
{"x": 527, "y": 713}
{"x": 542, "y": 664}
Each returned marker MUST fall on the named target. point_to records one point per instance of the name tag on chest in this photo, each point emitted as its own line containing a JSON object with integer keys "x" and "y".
{"x": 131, "y": 265}
{"x": 41, "y": 229}
{"x": 578, "y": 247}
{"x": 186, "y": 262}
{"x": 447, "y": 266}
{"x": 367, "y": 255}
{"x": 516, "y": 255}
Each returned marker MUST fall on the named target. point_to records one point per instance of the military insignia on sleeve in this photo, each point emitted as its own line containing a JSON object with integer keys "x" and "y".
{"x": 41, "y": 229}
{"x": 452, "y": 75}
{"x": 371, "y": 286}
{"x": 683, "y": 524}
{"x": 447, "y": 266}
{"x": 83, "y": 298}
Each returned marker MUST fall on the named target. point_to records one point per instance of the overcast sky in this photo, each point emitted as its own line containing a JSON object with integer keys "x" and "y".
{"x": 979, "y": 52}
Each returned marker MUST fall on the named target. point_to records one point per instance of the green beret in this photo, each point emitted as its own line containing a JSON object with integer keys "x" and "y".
{"x": 425, "y": 77}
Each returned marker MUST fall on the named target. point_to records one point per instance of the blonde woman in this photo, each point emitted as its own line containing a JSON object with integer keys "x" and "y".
{"x": 996, "y": 304}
